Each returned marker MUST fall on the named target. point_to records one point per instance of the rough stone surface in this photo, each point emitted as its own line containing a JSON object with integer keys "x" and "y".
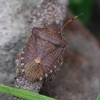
{"x": 14, "y": 29}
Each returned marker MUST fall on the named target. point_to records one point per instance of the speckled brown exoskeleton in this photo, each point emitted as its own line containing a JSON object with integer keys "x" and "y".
{"x": 41, "y": 54}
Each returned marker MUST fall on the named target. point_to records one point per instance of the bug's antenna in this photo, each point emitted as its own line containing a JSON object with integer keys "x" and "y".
{"x": 71, "y": 20}
{"x": 53, "y": 7}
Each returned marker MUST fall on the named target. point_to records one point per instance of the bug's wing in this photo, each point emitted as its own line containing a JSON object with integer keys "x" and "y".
{"x": 33, "y": 71}
{"x": 49, "y": 60}
{"x": 30, "y": 49}
{"x": 43, "y": 48}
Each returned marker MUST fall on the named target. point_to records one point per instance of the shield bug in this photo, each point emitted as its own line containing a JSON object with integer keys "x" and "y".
{"x": 41, "y": 54}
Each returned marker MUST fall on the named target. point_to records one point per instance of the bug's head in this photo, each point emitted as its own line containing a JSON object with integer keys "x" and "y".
{"x": 54, "y": 27}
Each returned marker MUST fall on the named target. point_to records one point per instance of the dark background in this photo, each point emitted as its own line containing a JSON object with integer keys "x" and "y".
{"x": 91, "y": 17}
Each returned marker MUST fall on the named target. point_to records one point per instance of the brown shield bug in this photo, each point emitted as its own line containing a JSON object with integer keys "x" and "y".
{"x": 42, "y": 52}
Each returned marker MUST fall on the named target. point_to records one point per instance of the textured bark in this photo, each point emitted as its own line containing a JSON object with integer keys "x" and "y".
{"x": 79, "y": 77}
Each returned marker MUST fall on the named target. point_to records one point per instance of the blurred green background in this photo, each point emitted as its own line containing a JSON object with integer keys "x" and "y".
{"x": 91, "y": 16}
{"x": 83, "y": 6}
